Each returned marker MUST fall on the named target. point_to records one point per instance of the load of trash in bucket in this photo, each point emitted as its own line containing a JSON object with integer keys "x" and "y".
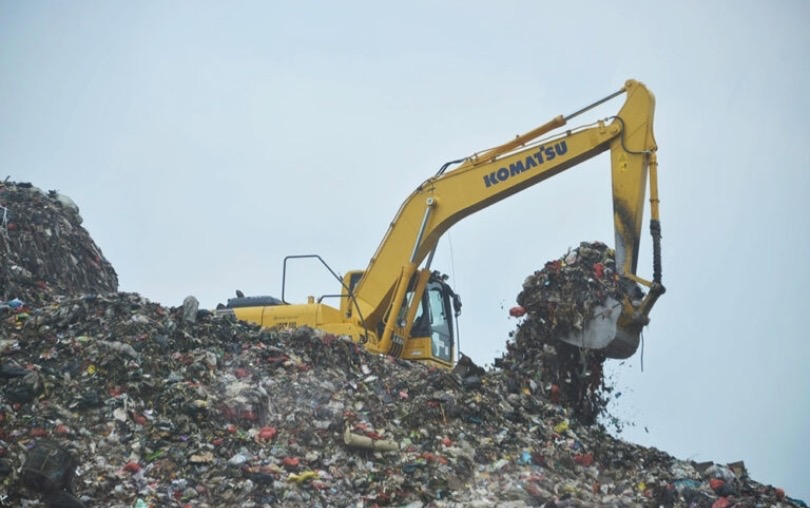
{"x": 110, "y": 400}
{"x": 554, "y": 302}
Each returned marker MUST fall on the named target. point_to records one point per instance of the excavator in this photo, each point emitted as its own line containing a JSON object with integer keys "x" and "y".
{"x": 399, "y": 306}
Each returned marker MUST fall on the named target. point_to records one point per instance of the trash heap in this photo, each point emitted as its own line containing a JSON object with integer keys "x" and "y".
{"x": 153, "y": 409}
{"x": 111, "y": 400}
{"x": 556, "y": 301}
{"x": 44, "y": 250}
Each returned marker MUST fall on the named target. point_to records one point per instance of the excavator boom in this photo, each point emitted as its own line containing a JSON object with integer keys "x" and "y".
{"x": 491, "y": 176}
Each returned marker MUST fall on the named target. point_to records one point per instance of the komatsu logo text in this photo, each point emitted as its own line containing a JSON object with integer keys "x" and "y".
{"x": 543, "y": 154}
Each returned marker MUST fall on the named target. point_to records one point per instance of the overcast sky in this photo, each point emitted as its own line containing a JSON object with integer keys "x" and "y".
{"x": 204, "y": 141}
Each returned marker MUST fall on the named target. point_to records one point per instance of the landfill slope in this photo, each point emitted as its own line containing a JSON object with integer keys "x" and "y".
{"x": 44, "y": 250}
{"x": 108, "y": 399}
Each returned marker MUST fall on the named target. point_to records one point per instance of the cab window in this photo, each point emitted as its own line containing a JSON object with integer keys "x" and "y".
{"x": 441, "y": 332}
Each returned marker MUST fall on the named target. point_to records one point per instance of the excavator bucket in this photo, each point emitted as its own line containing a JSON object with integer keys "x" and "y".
{"x": 601, "y": 331}
{"x": 614, "y": 327}
{"x": 579, "y": 299}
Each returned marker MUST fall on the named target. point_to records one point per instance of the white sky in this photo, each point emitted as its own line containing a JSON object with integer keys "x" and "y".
{"x": 204, "y": 141}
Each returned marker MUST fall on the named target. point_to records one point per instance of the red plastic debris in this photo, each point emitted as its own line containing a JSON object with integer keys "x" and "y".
{"x": 291, "y": 461}
{"x": 779, "y": 493}
{"x": 38, "y": 432}
{"x": 723, "y": 502}
{"x": 430, "y": 457}
{"x": 241, "y": 373}
{"x": 555, "y": 394}
{"x": 517, "y": 311}
{"x": 716, "y": 484}
{"x": 267, "y": 433}
{"x": 585, "y": 459}
{"x": 599, "y": 270}
{"x": 132, "y": 467}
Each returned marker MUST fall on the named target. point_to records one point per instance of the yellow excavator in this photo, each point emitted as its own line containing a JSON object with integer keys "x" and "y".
{"x": 400, "y": 307}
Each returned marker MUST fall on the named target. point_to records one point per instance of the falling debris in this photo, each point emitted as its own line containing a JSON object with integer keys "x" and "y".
{"x": 112, "y": 400}
{"x": 555, "y": 302}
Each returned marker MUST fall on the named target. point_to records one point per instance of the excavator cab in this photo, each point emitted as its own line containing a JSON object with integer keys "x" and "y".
{"x": 434, "y": 319}
{"x": 424, "y": 322}
{"x": 432, "y": 336}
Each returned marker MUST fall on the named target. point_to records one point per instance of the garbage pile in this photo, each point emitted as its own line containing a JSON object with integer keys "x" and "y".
{"x": 116, "y": 401}
{"x": 556, "y": 301}
{"x": 110, "y": 400}
{"x": 44, "y": 250}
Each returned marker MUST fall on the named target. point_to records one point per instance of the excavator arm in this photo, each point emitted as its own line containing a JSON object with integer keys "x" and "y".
{"x": 493, "y": 175}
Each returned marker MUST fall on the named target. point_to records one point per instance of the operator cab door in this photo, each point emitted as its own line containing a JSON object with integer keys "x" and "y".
{"x": 432, "y": 331}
